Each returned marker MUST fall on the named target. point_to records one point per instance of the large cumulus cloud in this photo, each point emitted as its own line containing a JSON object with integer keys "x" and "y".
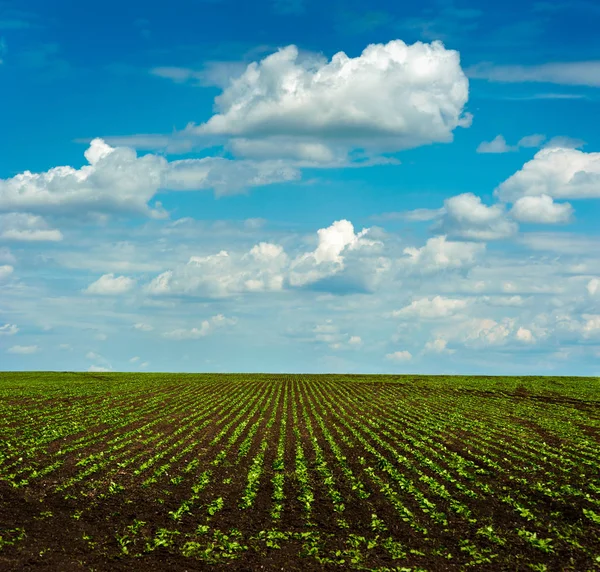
{"x": 393, "y": 96}
{"x": 557, "y": 172}
{"x": 117, "y": 180}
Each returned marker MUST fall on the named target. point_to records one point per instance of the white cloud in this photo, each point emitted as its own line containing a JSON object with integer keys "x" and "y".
{"x": 329, "y": 333}
{"x": 593, "y": 286}
{"x": 266, "y": 267}
{"x": 143, "y": 327}
{"x": 566, "y": 73}
{"x": 441, "y": 254}
{"x": 490, "y": 332}
{"x": 111, "y": 285}
{"x": 503, "y": 301}
{"x": 6, "y": 255}
{"x": 399, "y": 356}
{"x": 113, "y": 179}
{"x": 437, "y": 307}
{"x": 222, "y": 274}
{"x": 499, "y": 145}
{"x": 336, "y": 238}
{"x": 99, "y": 369}
{"x": 23, "y": 350}
{"x": 465, "y": 216}
{"x": 561, "y": 242}
{"x": 392, "y": 96}
{"x": 117, "y": 180}
{"x": 438, "y": 346}
{"x": 592, "y": 325}
{"x": 328, "y": 258}
{"x": 225, "y": 176}
{"x": 177, "y": 74}
{"x": 541, "y": 209}
{"x": 416, "y": 215}
{"x": 206, "y": 327}
{"x": 525, "y": 335}
{"x": 189, "y": 334}
{"x": 8, "y": 329}
{"x": 310, "y": 151}
{"x": 479, "y": 332}
{"x": 5, "y": 271}
{"x": 94, "y": 356}
{"x": 557, "y": 172}
{"x": 134, "y": 359}
{"x": 534, "y": 140}
{"x": 564, "y": 142}
{"x": 496, "y": 145}
{"x": 102, "y": 364}
{"x": 27, "y": 227}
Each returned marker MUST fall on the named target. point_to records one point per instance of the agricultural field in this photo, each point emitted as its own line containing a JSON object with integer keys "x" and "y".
{"x": 298, "y": 472}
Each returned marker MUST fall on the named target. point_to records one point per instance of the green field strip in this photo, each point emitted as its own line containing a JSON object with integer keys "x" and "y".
{"x": 411, "y": 496}
{"x": 520, "y": 506}
{"x": 245, "y": 405}
{"x": 103, "y": 417}
{"x": 84, "y": 442}
{"x": 116, "y": 448}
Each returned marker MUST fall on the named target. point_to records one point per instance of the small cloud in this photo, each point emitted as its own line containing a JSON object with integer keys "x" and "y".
{"x": 438, "y": 346}
{"x": 465, "y": 216}
{"x": 531, "y": 140}
{"x": 416, "y": 215}
{"x": 8, "y": 330}
{"x": 5, "y": 270}
{"x": 524, "y": 335}
{"x": 98, "y": 369}
{"x": 27, "y": 228}
{"x": 134, "y": 359}
{"x": 496, "y": 145}
{"x": 6, "y": 255}
{"x": 23, "y": 350}
{"x": 110, "y": 285}
{"x": 541, "y": 209}
{"x": 399, "y": 356}
{"x": 206, "y": 327}
{"x": 254, "y": 223}
{"x": 434, "y": 308}
{"x": 499, "y": 145}
{"x": 563, "y": 142}
{"x": 143, "y": 327}
{"x": 585, "y": 73}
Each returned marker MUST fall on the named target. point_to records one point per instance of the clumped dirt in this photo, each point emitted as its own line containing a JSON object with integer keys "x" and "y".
{"x": 110, "y": 520}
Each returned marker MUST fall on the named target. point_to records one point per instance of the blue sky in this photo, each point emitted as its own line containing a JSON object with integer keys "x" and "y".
{"x": 292, "y": 186}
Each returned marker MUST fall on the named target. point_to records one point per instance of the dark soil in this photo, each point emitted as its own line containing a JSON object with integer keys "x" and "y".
{"x": 109, "y": 521}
